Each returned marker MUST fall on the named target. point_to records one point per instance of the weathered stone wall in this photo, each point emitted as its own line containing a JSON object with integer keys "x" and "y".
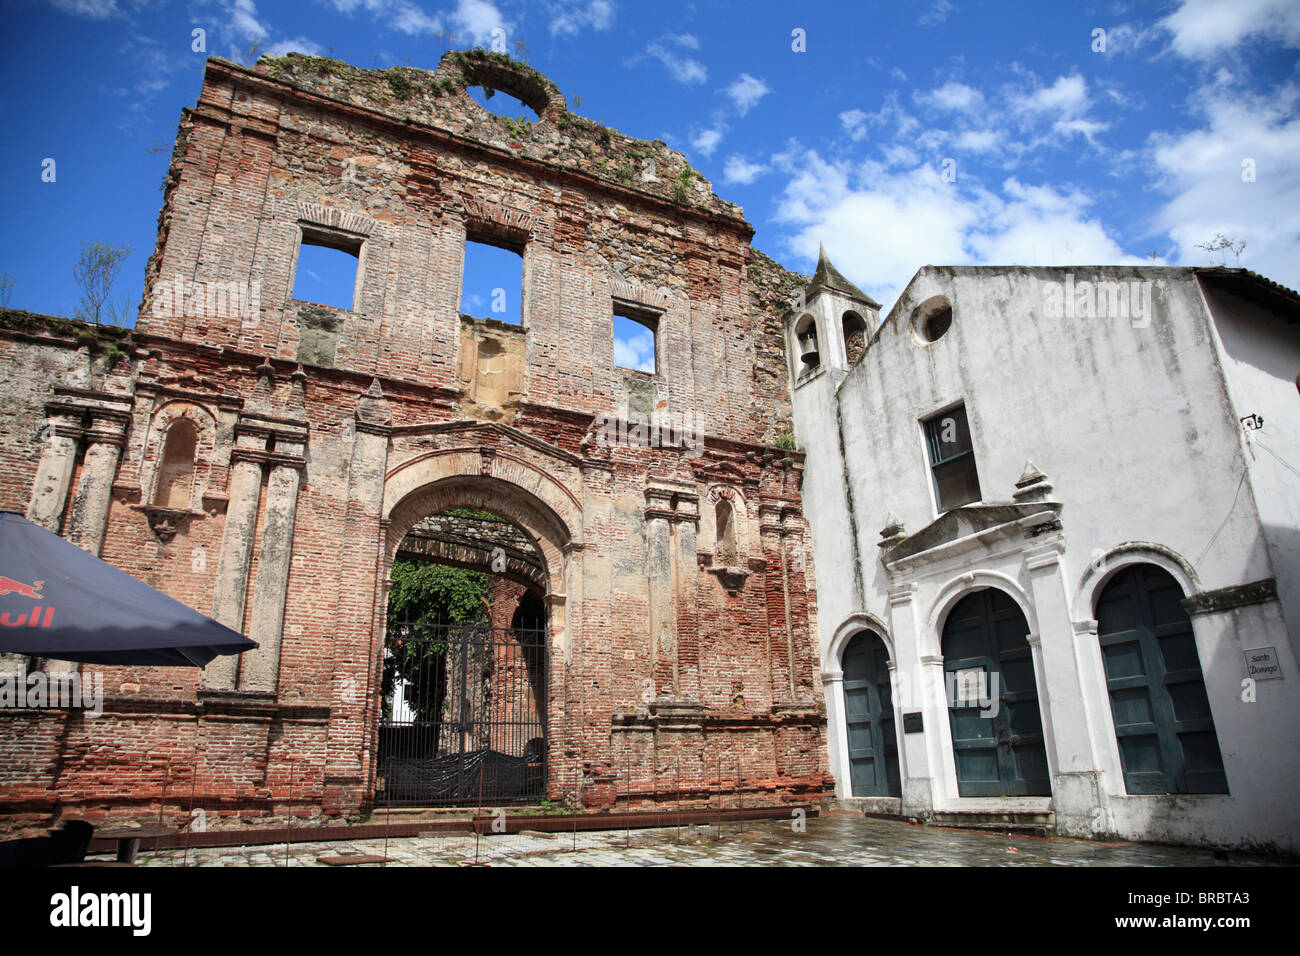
{"x": 674, "y": 667}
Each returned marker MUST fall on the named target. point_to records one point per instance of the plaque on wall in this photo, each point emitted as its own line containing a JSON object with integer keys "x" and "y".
{"x": 912, "y": 723}
{"x": 1262, "y": 663}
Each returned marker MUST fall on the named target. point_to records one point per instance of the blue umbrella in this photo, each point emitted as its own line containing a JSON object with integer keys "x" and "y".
{"x": 58, "y": 601}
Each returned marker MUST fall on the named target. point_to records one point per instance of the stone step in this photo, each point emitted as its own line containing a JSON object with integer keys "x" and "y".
{"x": 1030, "y": 822}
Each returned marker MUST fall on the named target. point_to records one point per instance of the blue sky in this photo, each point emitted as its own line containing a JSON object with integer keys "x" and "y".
{"x": 921, "y": 131}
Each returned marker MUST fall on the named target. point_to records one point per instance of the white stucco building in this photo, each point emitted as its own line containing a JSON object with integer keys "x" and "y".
{"x": 1056, "y": 513}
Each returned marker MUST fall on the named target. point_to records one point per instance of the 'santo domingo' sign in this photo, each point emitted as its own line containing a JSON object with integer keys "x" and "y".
{"x": 1261, "y": 663}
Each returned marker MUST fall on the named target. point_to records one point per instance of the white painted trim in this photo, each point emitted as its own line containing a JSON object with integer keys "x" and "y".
{"x": 858, "y": 621}
{"x": 1124, "y": 555}
{"x": 965, "y": 583}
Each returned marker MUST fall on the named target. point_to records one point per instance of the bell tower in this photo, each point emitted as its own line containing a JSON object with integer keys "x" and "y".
{"x": 832, "y": 326}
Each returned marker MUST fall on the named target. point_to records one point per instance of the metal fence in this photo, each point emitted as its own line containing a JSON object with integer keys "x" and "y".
{"x": 464, "y": 716}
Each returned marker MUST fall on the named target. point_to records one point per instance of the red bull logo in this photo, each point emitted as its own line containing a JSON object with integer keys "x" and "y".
{"x": 10, "y": 586}
{"x": 37, "y": 617}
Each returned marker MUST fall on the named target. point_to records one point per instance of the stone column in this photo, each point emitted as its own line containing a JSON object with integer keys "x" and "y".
{"x": 658, "y": 565}
{"x": 260, "y": 668}
{"x": 779, "y": 637}
{"x": 231, "y": 588}
{"x": 1067, "y": 727}
{"x": 686, "y": 576}
{"x": 800, "y": 638}
{"x": 89, "y": 519}
{"x": 836, "y": 730}
{"x": 358, "y": 642}
{"x": 670, "y": 559}
{"x": 917, "y": 682}
{"x": 54, "y": 474}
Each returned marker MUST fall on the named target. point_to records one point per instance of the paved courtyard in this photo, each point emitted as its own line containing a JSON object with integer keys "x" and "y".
{"x": 835, "y": 839}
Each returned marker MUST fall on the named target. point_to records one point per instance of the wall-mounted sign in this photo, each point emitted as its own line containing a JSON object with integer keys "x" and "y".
{"x": 912, "y": 723}
{"x": 1261, "y": 663}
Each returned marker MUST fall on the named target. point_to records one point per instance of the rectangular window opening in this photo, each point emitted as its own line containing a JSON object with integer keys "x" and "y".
{"x": 952, "y": 459}
{"x": 327, "y": 270}
{"x": 493, "y": 283}
{"x": 636, "y": 337}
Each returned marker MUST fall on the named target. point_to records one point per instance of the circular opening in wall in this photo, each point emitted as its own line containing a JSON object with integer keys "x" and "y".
{"x": 524, "y": 92}
{"x": 931, "y": 319}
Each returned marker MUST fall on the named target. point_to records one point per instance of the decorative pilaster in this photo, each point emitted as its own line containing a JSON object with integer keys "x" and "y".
{"x": 667, "y": 508}
{"x": 231, "y": 589}
{"x": 357, "y": 663}
{"x": 260, "y": 667}
{"x": 1067, "y": 724}
{"x": 780, "y": 636}
{"x": 89, "y": 519}
{"x": 63, "y": 429}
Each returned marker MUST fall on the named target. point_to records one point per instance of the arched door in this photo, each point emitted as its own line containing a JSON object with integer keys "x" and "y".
{"x": 869, "y": 718}
{"x": 1163, "y": 725}
{"x": 997, "y": 730}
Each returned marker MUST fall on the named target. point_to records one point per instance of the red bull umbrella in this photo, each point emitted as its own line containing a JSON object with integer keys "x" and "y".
{"x": 58, "y": 601}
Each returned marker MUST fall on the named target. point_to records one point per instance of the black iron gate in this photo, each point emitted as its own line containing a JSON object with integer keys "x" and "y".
{"x": 464, "y": 719}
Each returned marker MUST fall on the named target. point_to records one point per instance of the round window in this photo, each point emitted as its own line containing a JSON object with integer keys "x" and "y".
{"x": 931, "y": 319}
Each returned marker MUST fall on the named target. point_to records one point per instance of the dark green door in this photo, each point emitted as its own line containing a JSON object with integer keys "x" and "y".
{"x": 1163, "y": 724}
{"x": 998, "y": 746}
{"x": 869, "y": 717}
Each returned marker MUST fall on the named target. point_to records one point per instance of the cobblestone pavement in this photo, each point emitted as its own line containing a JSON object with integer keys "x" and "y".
{"x": 836, "y": 839}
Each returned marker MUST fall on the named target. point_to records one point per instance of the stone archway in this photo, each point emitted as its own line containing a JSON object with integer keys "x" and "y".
{"x": 498, "y": 648}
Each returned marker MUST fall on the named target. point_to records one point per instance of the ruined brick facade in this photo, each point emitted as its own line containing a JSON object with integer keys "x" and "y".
{"x": 262, "y": 458}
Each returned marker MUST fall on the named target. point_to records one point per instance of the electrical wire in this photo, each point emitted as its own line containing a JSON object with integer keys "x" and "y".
{"x": 1279, "y": 458}
{"x": 1224, "y": 523}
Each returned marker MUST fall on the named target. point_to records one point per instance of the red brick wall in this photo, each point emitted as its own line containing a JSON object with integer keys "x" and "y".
{"x": 252, "y": 152}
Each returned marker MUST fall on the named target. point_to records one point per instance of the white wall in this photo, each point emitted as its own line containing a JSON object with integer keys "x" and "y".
{"x": 1260, "y": 354}
{"x": 1132, "y": 423}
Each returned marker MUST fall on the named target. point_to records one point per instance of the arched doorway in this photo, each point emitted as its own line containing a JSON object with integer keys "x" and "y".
{"x": 463, "y": 715}
{"x": 1163, "y": 725}
{"x": 997, "y": 730}
{"x": 869, "y": 718}
{"x": 516, "y": 736}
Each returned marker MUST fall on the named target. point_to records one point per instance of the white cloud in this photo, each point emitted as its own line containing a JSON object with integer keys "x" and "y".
{"x": 742, "y": 171}
{"x": 706, "y": 141}
{"x": 571, "y": 16}
{"x": 636, "y": 351}
{"x": 404, "y": 16}
{"x": 899, "y": 155}
{"x": 682, "y": 68}
{"x": 476, "y": 20}
{"x": 1204, "y": 28}
{"x": 296, "y": 45}
{"x": 1202, "y": 171}
{"x": 243, "y": 20}
{"x": 1085, "y": 128}
{"x": 854, "y": 123}
{"x": 93, "y": 9}
{"x": 936, "y": 14}
{"x": 1064, "y": 105}
{"x": 952, "y": 96}
{"x": 1127, "y": 38}
{"x": 745, "y": 91}
{"x": 891, "y": 116}
{"x": 1068, "y": 96}
{"x": 978, "y": 141}
{"x": 884, "y": 222}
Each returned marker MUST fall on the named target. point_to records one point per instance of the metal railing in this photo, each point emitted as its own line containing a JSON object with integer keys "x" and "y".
{"x": 464, "y": 717}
